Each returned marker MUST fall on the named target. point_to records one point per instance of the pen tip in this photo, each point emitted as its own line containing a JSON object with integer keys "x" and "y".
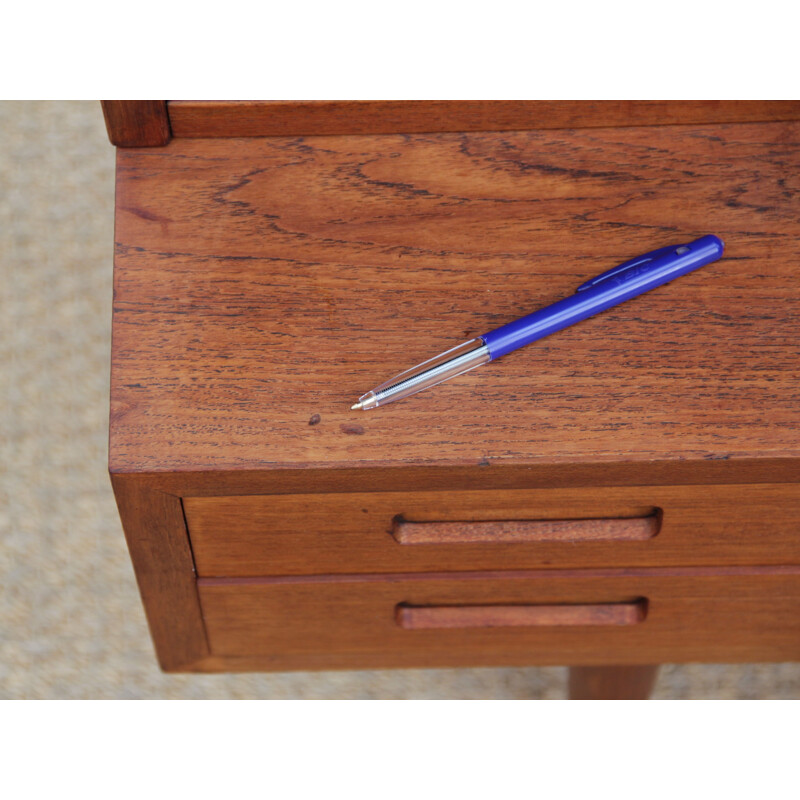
{"x": 355, "y": 407}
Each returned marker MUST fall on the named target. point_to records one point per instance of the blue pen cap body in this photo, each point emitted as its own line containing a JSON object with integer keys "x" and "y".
{"x": 615, "y": 286}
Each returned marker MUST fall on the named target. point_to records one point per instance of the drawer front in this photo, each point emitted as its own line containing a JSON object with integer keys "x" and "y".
{"x": 525, "y": 617}
{"x": 315, "y": 534}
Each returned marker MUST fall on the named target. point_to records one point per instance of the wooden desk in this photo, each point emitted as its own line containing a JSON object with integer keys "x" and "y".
{"x": 626, "y": 491}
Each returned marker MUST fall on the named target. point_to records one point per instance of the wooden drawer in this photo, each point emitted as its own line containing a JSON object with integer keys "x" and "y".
{"x": 309, "y": 534}
{"x": 523, "y": 617}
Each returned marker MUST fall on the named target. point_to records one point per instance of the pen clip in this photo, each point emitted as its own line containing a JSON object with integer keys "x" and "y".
{"x": 634, "y": 262}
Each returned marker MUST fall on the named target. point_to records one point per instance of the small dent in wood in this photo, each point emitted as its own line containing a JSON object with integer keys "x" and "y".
{"x": 143, "y": 213}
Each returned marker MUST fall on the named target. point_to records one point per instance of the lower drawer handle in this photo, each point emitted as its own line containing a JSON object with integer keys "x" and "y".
{"x": 428, "y": 617}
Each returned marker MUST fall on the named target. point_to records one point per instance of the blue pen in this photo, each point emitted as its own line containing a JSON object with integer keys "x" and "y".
{"x": 606, "y": 290}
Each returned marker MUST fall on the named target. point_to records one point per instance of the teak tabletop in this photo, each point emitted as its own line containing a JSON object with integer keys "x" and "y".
{"x": 287, "y": 276}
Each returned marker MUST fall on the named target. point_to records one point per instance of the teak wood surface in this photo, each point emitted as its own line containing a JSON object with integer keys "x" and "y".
{"x": 136, "y": 123}
{"x": 215, "y": 118}
{"x": 351, "y": 621}
{"x": 307, "y": 534}
{"x": 162, "y": 560}
{"x": 261, "y": 285}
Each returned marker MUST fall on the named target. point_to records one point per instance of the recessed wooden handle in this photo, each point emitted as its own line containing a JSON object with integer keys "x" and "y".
{"x": 546, "y": 530}
{"x": 428, "y": 617}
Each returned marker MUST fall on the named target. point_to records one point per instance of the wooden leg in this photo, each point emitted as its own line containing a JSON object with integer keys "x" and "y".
{"x": 612, "y": 683}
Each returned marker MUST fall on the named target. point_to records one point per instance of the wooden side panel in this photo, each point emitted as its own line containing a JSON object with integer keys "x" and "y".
{"x": 350, "y": 623}
{"x": 162, "y": 560}
{"x": 192, "y": 118}
{"x": 137, "y": 123}
{"x": 334, "y": 533}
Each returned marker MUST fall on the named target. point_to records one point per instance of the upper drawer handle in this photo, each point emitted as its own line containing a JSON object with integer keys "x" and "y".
{"x": 428, "y": 617}
{"x": 545, "y": 530}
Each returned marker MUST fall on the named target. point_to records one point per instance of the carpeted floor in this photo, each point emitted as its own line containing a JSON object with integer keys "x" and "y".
{"x": 71, "y": 624}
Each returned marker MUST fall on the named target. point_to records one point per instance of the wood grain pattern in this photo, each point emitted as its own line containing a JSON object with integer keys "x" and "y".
{"x": 136, "y": 123}
{"x": 260, "y": 282}
{"x": 162, "y": 559}
{"x": 192, "y": 118}
{"x": 350, "y": 623}
{"x": 634, "y": 529}
{"x": 327, "y": 533}
{"x": 612, "y": 683}
{"x": 417, "y": 618}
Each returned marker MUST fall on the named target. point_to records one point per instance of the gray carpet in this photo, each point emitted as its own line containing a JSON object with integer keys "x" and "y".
{"x": 71, "y": 624}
